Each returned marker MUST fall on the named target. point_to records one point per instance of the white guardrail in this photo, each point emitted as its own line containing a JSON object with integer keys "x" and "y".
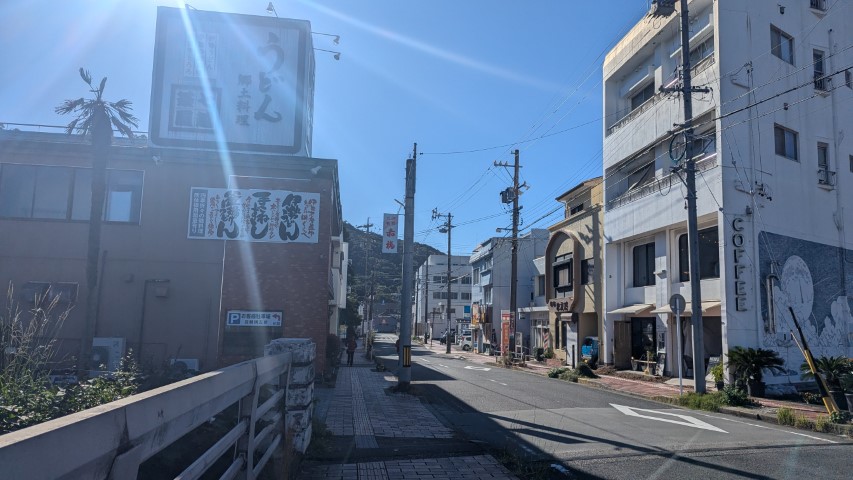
{"x": 112, "y": 440}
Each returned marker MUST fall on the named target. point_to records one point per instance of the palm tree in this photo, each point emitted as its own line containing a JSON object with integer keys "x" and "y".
{"x": 749, "y": 365}
{"x": 832, "y": 369}
{"x": 96, "y": 118}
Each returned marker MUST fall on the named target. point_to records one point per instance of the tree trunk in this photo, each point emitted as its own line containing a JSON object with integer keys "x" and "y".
{"x": 101, "y": 139}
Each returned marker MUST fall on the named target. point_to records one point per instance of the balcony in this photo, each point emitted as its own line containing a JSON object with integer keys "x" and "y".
{"x": 825, "y": 178}
{"x": 659, "y": 184}
{"x": 821, "y": 83}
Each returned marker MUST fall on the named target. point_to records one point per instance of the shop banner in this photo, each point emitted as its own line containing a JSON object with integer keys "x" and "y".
{"x": 389, "y": 233}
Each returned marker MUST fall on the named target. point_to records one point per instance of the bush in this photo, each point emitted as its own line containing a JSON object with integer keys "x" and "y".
{"x": 570, "y": 376}
{"x": 734, "y": 396}
{"x": 605, "y": 370}
{"x": 549, "y": 353}
{"x": 785, "y": 416}
{"x": 822, "y": 424}
{"x": 556, "y": 371}
{"x": 812, "y": 398}
{"x": 839, "y": 417}
{"x": 584, "y": 370}
{"x": 702, "y": 401}
{"x": 801, "y": 421}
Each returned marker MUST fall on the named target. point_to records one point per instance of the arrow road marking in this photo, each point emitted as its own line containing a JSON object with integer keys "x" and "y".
{"x": 497, "y": 382}
{"x": 687, "y": 421}
{"x": 482, "y": 369}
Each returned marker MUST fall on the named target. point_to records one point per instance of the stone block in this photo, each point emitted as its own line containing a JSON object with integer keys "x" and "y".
{"x": 300, "y": 396}
{"x": 302, "y": 375}
{"x": 299, "y": 420}
{"x": 303, "y": 349}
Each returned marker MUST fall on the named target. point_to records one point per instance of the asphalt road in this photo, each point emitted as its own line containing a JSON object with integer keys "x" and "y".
{"x": 601, "y": 434}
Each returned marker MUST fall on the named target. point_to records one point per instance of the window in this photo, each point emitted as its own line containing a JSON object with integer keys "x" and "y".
{"x": 705, "y": 144}
{"x": 821, "y": 81}
{"x": 644, "y": 265}
{"x": 818, "y": 4}
{"x": 702, "y": 51}
{"x": 438, "y": 295}
{"x": 645, "y": 94}
{"x": 540, "y": 285}
{"x": 577, "y": 208}
{"x": 562, "y": 275}
{"x": 64, "y": 193}
{"x": 487, "y": 295}
{"x": 786, "y": 142}
{"x": 782, "y": 44}
{"x": 476, "y": 276}
{"x": 587, "y": 271}
{"x": 851, "y": 163}
{"x": 466, "y": 295}
{"x": 438, "y": 279}
{"x": 848, "y": 78}
{"x": 466, "y": 280}
{"x": 709, "y": 255}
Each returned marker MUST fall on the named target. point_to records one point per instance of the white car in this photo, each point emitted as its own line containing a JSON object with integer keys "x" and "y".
{"x": 466, "y": 342}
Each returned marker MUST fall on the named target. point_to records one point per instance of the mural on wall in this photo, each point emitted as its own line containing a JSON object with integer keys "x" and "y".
{"x": 816, "y": 281}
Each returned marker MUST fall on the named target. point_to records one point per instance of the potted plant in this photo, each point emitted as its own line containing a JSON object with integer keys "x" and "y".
{"x": 749, "y": 365}
{"x": 847, "y": 386}
{"x": 634, "y": 364}
{"x": 718, "y": 372}
{"x": 832, "y": 369}
{"x": 650, "y": 357}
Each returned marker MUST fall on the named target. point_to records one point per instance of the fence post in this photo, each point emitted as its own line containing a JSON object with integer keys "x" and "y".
{"x": 299, "y": 398}
{"x": 246, "y": 444}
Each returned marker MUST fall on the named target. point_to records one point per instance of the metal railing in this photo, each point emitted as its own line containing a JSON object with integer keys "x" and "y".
{"x": 112, "y": 440}
{"x": 826, "y": 177}
{"x": 659, "y": 184}
{"x": 821, "y": 82}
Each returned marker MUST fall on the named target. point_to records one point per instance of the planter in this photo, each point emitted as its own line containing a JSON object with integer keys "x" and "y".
{"x": 849, "y": 397}
{"x": 755, "y": 389}
{"x": 635, "y": 365}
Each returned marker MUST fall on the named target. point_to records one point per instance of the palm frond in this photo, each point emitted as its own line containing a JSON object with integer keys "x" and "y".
{"x": 86, "y": 76}
{"x": 124, "y": 129}
{"x": 69, "y": 106}
{"x": 100, "y": 91}
{"x": 69, "y": 129}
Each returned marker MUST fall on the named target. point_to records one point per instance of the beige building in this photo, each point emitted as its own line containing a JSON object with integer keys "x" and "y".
{"x": 573, "y": 260}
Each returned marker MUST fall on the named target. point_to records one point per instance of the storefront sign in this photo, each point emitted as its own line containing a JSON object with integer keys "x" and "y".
{"x": 739, "y": 266}
{"x": 275, "y": 216}
{"x": 505, "y": 326}
{"x": 559, "y": 306}
{"x": 250, "y": 318}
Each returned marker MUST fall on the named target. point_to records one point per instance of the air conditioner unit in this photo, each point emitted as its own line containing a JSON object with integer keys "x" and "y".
{"x": 106, "y": 354}
{"x": 190, "y": 363}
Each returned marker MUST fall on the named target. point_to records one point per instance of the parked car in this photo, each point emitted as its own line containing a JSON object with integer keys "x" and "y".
{"x": 466, "y": 342}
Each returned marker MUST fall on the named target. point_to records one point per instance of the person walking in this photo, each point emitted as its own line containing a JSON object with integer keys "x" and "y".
{"x": 351, "y": 345}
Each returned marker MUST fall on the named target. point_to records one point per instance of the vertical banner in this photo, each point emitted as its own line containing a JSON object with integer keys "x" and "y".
{"x": 389, "y": 233}
{"x": 505, "y": 318}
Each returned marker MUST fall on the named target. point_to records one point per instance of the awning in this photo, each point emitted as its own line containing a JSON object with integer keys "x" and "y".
{"x": 633, "y": 309}
{"x": 707, "y": 307}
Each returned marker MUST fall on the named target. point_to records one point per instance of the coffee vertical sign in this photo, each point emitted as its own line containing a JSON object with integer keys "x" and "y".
{"x": 738, "y": 241}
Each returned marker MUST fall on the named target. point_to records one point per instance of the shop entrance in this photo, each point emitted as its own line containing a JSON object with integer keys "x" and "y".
{"x": 643, "y": 336}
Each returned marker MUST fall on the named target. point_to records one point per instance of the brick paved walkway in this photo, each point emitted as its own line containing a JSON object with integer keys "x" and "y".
{"x": 480, "y": 467}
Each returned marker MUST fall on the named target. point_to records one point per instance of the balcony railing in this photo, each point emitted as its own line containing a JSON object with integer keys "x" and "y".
{"x": 659, "y": 184}
{"x": 697, "y": 68}
{"x": 826, "y": 177}
{"x": 821, "y": 82}
{"x": 818, "y": 5}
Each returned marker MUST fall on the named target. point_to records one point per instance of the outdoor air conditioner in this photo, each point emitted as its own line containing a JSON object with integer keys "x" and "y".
{"x": 190, "y": 363}
{"x": 106, "y": 354}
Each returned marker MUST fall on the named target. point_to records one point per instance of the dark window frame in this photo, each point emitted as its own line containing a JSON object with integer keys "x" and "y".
{"x": 709, "y": 255}
{"x": 781, "y": 148}
{"x": 643, "y": 260}
{"x": 642, "y": 96}
{"x": 776, "y": 47}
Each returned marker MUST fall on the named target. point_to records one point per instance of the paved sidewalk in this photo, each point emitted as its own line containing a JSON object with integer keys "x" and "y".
{"x": 368, "y": 421}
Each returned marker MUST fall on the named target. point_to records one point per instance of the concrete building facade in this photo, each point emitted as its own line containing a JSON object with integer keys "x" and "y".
{"x": 775, "y": 171}
{"x": 573, "y": 284}
{"x": 430, "y": 308}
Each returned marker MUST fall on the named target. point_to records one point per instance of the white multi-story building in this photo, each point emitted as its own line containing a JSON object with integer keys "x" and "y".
{"x": 774, "y": 175}
{"x": 492, "y": 271}
{"x": 431, "y": 294}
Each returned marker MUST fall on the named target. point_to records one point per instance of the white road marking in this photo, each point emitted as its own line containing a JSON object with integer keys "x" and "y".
{"x": 482, "y": 369}
{"x": 768, "y": 428}
{"x": 440, "y": 365}
{"x": 687, "y": 421}
{"x": 500, "y": 383}
{"x": 424, "y": 361}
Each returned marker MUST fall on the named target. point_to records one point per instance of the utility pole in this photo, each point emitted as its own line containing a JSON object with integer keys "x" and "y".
{"x": 507, "y": 196}
{"x": 405, "y": 376}
{"x": 687, "y": 91}
{"x": 446, "y": 229}
{"x": 368, "y": 292}
{"x": 426, "y": 299}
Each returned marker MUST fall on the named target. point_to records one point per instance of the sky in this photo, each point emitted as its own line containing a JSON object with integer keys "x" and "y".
{"x": 469, "y": 81}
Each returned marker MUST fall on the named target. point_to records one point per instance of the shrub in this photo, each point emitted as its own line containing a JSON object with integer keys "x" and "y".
{"x": 785, "y": 416}
{"x": 839, "y": 417}
{"x": 734, "y": 396}
{"x": 605, "y": 370}
{"x": 822, "y": 424}
{"x": 832, "y": 369}
{"x": 749, "y": 363}
{"x": 549, "y": 353}
{"x": 584, "y": 370}
{"x": 556, "y": 371}
{"x": 570, "y": 376}
{"x": 702, "y": 401}
{"x": 801, "y": 421}
{"x": 812, "y": 398}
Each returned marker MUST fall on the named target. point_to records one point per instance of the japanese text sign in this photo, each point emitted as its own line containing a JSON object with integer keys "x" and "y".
{"x": 389, "y": 233}
{"x": 249, "y": 318}
{"x": 276, "y": 216}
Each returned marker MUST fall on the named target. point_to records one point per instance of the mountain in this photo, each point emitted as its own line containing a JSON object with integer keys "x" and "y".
{"x": 366, "y": 258}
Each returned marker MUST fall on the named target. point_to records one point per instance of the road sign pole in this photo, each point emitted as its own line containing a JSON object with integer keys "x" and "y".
{"x": 680, "y": 353}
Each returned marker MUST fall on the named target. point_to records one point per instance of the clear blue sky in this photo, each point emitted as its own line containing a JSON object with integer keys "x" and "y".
{"x": 452, "y": 75}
